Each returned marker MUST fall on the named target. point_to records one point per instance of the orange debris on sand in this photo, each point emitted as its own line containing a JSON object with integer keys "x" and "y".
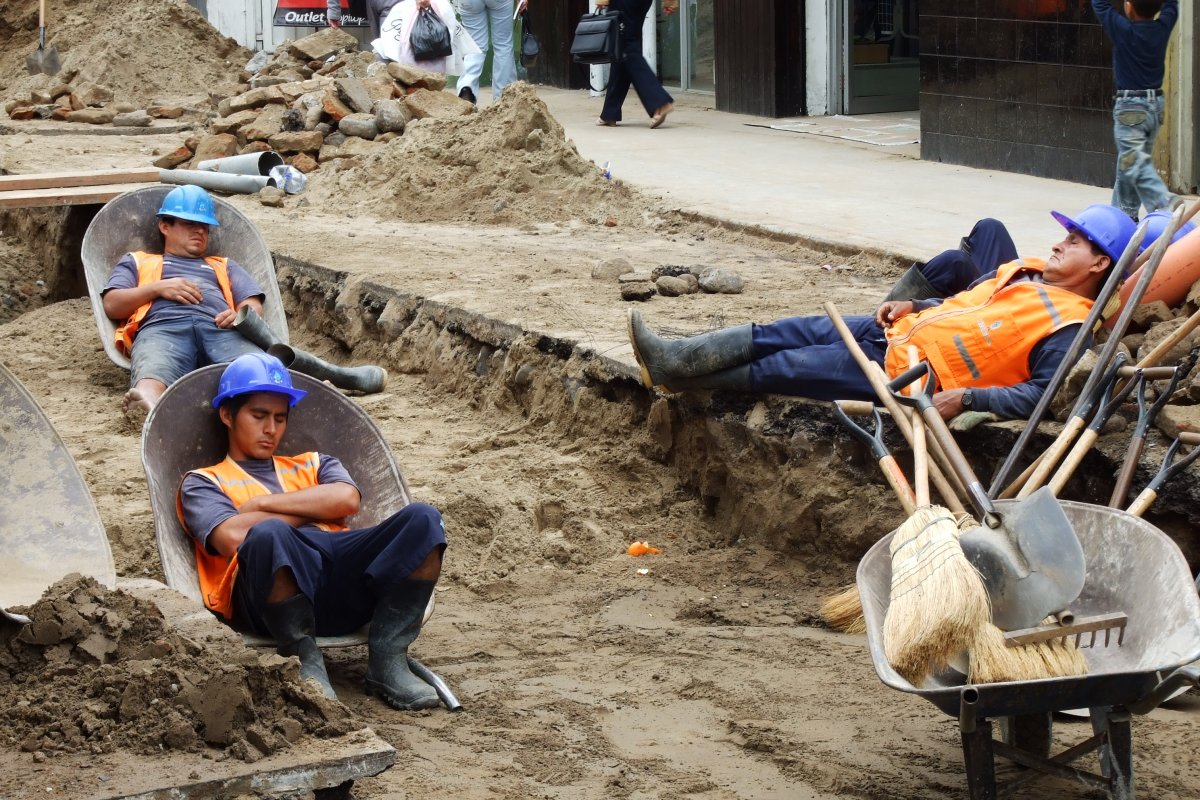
{"x": 642, "y": 548}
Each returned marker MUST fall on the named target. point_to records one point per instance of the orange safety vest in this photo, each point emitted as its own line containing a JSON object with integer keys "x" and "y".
{"x": 149, "y": 269}
{"x": 982, "y": 337}
{"x": 216, "y": 572}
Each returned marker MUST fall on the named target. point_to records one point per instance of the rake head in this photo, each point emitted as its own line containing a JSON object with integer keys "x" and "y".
{"x": 1068, "y": 626}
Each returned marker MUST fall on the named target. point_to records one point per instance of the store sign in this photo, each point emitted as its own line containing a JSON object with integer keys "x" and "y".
{"x": 311, "y": 13}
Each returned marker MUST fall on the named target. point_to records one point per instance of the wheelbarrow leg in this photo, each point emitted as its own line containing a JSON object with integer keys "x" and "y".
{"x": 1116, "y": 754}
{"x": 979, "y": 761}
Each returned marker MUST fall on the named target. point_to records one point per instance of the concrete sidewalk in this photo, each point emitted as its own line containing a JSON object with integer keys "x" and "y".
{"x": 834, "y": 190}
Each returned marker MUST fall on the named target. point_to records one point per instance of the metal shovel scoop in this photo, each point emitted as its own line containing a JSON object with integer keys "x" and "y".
{"x": 42, "y": 60}
{"x": 1028, "y": 554}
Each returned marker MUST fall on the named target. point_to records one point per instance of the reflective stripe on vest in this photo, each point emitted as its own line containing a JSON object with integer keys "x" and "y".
{"x": 216, "y": 572}
{"x": 149, "y": 269}
{"x": 982, "y": 337}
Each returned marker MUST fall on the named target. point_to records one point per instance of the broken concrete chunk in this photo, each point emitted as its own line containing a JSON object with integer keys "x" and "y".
{"x": 93, "y": 116}
{"x": 58, "y": 90}
{"x": 254, "y": 147}
{"x": 1150, "y": 314}
{"x": 353, "y": 147}
{"x": 174, "y": 158}
{"x": 218, "y": 145}
{"x": 299, "y": 142}
{"x": 610, "y": 269}
{"x": 416, "y": 78}
{"x": 124, "y": 108}
{"x": 60, "y": 113}
{"x": 719, "y": 281}
{"x": 379, "y": 89}
{"x": 391, "y": 116}
{"x": 334, "y": 107}
{"x": 361, "y": 125}
{"x": 353, "y": 93}
{"x": 268, "y": 123}
{"x": 165, "y": 112}
{"x": 639, "y": 291}
{"x": 424, "y": 104}
{"x": 93, "y": 94}
{"x": 305, "y": 163}
{"x": 255, "y": 98}
{"x": 321, "y": 45}
{"x": 133, "y": 119}
{"x": 234, "y": 122}
{"x": 634, "y": 277}
{"x": 40, "y": 97}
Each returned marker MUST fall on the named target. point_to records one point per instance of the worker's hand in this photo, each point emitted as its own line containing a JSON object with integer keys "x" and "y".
{"x": 969, "y": 420}
{"x": 893, "y": 310}
{"x": 225, "y": 318}
{"x": 424, "y": 3}
{"x": 948, "y": 403}
{"x": 601, "y": 4}
{"x": 669, "y": 7}
{"x": 334, "y": 23}
{"x": 179, "y": 290}
{"x": 521, "y": 6}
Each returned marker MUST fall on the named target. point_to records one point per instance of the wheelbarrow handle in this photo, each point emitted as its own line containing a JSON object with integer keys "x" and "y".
{"x": 923, "y": 402}
{"x": 1168, "y": 686}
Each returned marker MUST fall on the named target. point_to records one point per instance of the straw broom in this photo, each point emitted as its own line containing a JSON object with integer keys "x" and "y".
{"x": 938, "y": 602}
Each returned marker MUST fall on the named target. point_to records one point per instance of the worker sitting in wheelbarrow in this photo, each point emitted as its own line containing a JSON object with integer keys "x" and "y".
{"x": 274, "y": 557}
{"x": 993, "y": 347}
{"x": 176, "y": 308}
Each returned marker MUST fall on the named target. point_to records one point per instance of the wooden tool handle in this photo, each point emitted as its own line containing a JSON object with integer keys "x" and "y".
{"x": 1142, "y": 502}
{"x": 1128, "y": 468}
{"x": 1052, "y": 456}
{"x": 1072, "y": 461}
{"x": 920, "y": 453}
{"x": 895, "y": 478}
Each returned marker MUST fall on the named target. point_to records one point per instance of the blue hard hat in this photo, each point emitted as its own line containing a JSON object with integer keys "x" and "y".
{"x": 1156, "y": 223}
{"x": 1107, "y": 227}
{"x": 189, "y": 202}
{"x": 256, "y": 372}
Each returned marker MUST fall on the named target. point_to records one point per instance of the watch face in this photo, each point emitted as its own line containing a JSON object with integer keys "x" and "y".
{"x": 968, "y": 398}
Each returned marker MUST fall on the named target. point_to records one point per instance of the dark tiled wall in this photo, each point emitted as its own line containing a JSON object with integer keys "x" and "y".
{"x": 1017, "y": 85}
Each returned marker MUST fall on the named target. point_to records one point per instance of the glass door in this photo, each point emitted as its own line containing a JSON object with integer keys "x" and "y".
{"x": 685, "y": 46}
{"x": 882, "y": 65}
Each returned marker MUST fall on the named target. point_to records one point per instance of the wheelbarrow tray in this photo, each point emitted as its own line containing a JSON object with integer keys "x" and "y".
{"x": 49, "y": 524}
{"x": 1132, "y": 567}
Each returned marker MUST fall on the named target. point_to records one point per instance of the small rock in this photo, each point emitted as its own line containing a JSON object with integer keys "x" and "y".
{"x": 174, "y": 158}
{"x": 92, "y": 116}
{"x": 165, "y": 112}
{"x": 1174, "y": 420}
{"x": 672, "y": 270}
{"x": 271, "y": 196}
{"x": 719, "y": 281}
{"x": 334, "y": 107}
{"x": 133, "y": 119}
{"x": 634, "y": 277}
{"x": 1150, "y": 314}
{"x": 354, "y": 94}
{"x": 93, "y": 94}
{"x": 416, "y": 78}
{"x": 425, "y": 103}
{"x": 610, "y": 222}
{"x": 305, "y": 142}
{"x": 609, "y": 269}
{"x": 673, "y": 287}
{"x": 322, "y": 44}
{"x": 305, "y": 163}
{"x": 39, "y": 757}
{"x": 215, "y": 146}
{"x": 124, "y": 108}
{"x": 638, "y": 292}
{"x": 361, "y": 125}
{"x": 391, "y": 116}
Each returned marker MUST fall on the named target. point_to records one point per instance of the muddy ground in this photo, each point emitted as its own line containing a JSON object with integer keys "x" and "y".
{"x": 708, "y": 677}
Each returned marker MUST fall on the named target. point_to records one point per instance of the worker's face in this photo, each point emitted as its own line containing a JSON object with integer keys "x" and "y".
{"x": 182, "y": 237}
{"x": 1074, "y": 265}
{"x": 255, "y": 431}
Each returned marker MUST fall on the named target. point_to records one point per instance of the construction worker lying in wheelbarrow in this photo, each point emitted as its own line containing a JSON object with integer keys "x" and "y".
{"x": 993, "y": 347}
{"x": 176, "y": 308}
{"x": 274, "y": 557}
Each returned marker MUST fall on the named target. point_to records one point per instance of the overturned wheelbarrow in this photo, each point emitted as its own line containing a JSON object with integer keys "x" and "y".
{"x": 1132, "y": 568}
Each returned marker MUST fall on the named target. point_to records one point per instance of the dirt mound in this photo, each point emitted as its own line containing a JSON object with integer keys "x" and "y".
{"x": 98, "y": 670}
{"x": 509, "y": 164}
{"x": 151, "y": 50}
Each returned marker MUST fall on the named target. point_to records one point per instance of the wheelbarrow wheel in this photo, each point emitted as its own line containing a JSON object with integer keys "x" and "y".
{"x": 1029, "y": 732}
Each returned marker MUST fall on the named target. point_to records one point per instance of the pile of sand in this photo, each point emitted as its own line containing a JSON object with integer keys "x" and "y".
{"x": 508, "y": 164}
{"x": 99, "y": 670}
{"x": 145, "y": 51}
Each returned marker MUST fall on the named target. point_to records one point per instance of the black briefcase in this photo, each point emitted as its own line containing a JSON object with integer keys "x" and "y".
{"x": 597, "y": 39}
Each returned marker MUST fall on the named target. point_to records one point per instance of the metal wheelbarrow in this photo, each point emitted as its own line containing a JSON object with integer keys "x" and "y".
{"x": 1132, "y": 567}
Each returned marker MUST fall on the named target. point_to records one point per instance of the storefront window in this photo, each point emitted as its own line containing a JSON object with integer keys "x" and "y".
{"x": 685, "y": 46}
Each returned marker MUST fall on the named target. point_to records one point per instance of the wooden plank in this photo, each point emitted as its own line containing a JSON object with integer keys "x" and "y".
{"x": 73, "y": 196}
{"x": 95, "y": 177}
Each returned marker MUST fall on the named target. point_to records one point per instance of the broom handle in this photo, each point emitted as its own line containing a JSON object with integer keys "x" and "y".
{"x": 872, "y": 371}
{"x": 1163, "y": 347}
{"x": 920, "y": 454}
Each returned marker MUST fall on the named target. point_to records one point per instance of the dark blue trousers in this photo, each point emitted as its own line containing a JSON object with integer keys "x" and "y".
{"x": 986, "y": 247}
{"x": 342, "y": 573}
{"x": 632, "y": 68}
{"x": 805, "y": 357}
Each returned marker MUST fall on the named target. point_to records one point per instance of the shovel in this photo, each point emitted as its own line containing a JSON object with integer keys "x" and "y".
{"x": 42, "y": 60}
{"x": 1029, "y": 557}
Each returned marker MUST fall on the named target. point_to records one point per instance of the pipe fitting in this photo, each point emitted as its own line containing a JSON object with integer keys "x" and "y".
{"x": 366, "y": 379}
{"x": 249, "y": 324}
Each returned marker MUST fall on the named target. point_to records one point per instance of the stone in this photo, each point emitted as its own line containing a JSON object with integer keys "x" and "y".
{"x": 335, "y": 139}
{"x": 259, "y": 81}
{"x": 59, "y": 113}
{"x": 268, "y": 123}
{"x": 174, "y": 158}
{"x": 93, "y": 116}
{"x": 361, "y": 125}
{"x": 425, "y": 104}
{"x": 321, "y": 45}
{"x": 1174, "y": 420}
{"x": 391, "y": 116}
{"x": 334, "y": 107}
{"x": 292, "y": 120}
{"x": 77, "y": 103}
{"x": 639, "y": 291}
{"x": 635, "y": 277}
{"x": 1150, "y": 314}
{"x": 1161, "y": 331}
{"x": 133, "y": 119}
{"x": 719, "y": 281}
{"x": 255, "y": 98}
{"x": 669, "y": 286}
{"x": 40, "y": 97}
{"x": 124, "y": 108}
{"x": 311, "y": 105}
{"x": 384, "y": 138}
{"x": 234, "y": 122}
{"x": 93, "y": 94}
{"x": 58, "y": 90}
{"x": 305, "y": 163}
{"x": 610, "y": 269}
{"x": 218, "y": 145}
{"x": 271, "y": 196}
{"x": 673, "y": 270}
{"x": 353, "y": 147}
{"x": 379, "y": 89}
{"x": 416, "y": 78}
{"x": 18, "y": 105}
{"x": 305, "y": 142}
{"x": 254, "y": 147}
{"x": 354, "y": 94}
{"x": 165, "y": 112}
{"x": 1193, "y": 298}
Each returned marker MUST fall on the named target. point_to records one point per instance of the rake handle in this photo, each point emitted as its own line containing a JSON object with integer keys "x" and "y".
{"x": 1073, "y": 459}
{"x": 1052, "y": 456}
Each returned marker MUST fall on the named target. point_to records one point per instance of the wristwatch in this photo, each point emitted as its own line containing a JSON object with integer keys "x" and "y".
{"x": 968, "y": 399}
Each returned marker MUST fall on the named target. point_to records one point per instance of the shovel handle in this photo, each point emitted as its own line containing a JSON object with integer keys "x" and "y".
{"x": 887, "y": 462}
{"x": 1072, "y": 461}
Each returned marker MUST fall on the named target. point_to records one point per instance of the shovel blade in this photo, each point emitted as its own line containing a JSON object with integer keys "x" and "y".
{"x": 1032, "y": 565}
{"x": 43, "y": 61}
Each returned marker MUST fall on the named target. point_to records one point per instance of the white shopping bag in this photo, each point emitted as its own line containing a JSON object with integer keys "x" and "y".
{"x": 394, "y": 33}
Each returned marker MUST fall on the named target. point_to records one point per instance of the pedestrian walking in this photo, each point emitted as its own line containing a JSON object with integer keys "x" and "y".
{"x": 632, "y": 69}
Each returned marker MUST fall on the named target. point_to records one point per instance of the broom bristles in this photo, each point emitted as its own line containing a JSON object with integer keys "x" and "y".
{"x": 992, "y": 661}
{"x": 938, "y": 600}
{"x": 843, "y": 611}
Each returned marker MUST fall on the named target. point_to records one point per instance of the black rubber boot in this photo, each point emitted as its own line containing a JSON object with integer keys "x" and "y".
{"x": 292, "y": 623}
{"x": 736, "y": 379}
{"x": 394, "y": 626}
{"x": 664, "y": 361}
{"x": 912, "y": 286}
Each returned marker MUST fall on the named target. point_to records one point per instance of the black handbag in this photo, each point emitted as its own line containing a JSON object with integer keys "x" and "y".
{"x": 597, "y": 38}
{"x": 430, "y": 38}
{"x": 530, "y": 46}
